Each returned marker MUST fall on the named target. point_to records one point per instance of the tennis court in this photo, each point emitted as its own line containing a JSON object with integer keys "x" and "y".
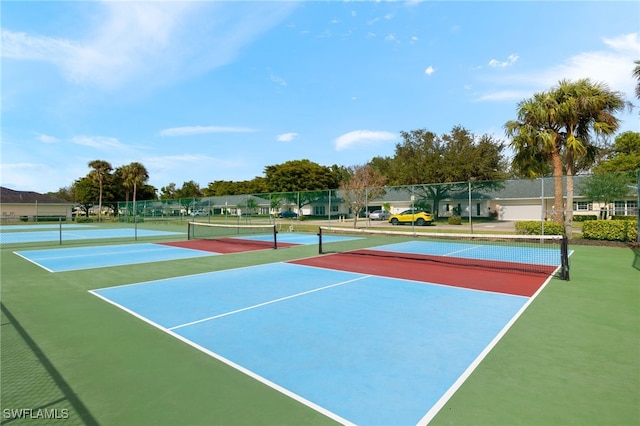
{"x": 78, "y": 258}
{"x": 73, "y": 233}
{"x": 568, "y": 357}
{"x": 360, "y": 344}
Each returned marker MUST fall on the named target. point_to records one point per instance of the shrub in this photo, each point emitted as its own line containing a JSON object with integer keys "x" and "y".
{"x": 534, "y": 227}
{"x": 83, "y": 219}
{"x": 454, "y": 220}
{"x": 584, "y": 217}
{"x": 620, "y": 217}
{"x": 610, "y": 230}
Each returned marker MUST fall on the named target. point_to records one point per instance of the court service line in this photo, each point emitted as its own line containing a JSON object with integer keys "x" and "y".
{"x": 104, "y": 253}
{"x": 268, "y": 302}
{"x": 462, "y": 250}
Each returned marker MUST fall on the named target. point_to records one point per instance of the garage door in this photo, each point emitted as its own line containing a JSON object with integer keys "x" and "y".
{"x": 519, "y": 212}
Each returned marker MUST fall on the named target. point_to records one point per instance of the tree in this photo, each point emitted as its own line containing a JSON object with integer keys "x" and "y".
{"x": 168, "y": 192}
{"x": 606, "y": 188}
{"x": 85, "y": 193}
{"x": 363, "y": 183}
{"x": 189, "y": 190}
{"x": 636, "y": 74}
{"x": 134, "y": 175}
{"x": 302, "y": 182}
{"x": 100, "y": 172}
{"x": 559, "y": 127}
{"x": 301, "y": 175}
{"x": 624, "y": 155}
{"x": 448, "y": 162}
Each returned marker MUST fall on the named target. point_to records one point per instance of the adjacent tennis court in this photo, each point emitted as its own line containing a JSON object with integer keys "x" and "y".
{"x": 78, "y": 258}
{"x": 58, "y": 233}
{"x": 359, "y": 344}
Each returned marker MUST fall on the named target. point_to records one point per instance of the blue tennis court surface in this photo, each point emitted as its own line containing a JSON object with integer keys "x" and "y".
{"x": 79, "y": 234}
{"x": 76, "y": 258}
{"x": 10, "y": 228}
{"x": 298, "y": 238}
{"x": 537, "y": 255}
{"x": 359, "y": 348}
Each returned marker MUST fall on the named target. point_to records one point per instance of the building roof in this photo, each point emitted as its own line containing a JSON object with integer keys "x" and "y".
{"x": 8, "y": 196}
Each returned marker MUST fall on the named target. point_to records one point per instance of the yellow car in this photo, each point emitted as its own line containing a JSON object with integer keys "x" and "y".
{"x": 419, "y": 217}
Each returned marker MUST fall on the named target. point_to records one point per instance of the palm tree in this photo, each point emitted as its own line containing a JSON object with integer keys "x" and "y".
{"x": 558, "y": 127}
{"x": 636, "y": 75}
{"x": 134, "y": 174}
{"x": 536, "y": 139}
{"x": 585, "y": 109}
{"x": 101, "y": 170}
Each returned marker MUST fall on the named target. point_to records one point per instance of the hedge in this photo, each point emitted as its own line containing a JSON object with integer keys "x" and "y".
{"x": 584, "y": 217}
{"x": 454, "y": 220}
{"x": 534, "y": 227}
{"x": 610, "y": 230}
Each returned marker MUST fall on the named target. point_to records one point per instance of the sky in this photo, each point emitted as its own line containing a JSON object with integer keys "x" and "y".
{"x": 209, "y": 90}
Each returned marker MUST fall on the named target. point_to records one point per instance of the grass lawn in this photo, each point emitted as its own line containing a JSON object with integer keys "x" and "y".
{"x": 572, "y": 358}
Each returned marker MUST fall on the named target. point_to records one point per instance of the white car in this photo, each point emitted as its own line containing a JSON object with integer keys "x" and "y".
{"x": 379, "y": 215}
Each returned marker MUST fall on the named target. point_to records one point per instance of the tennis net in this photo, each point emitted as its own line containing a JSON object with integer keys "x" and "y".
{"x": 532, "y": 254}
{"x": 242, "y": 234}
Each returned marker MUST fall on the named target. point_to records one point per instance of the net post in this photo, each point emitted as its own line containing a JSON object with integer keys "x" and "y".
{"x": 189, "y": 229}
{"x": 564, "y": 253}
{"x": 320, "y": 240}
{"x": 275, "y": 238}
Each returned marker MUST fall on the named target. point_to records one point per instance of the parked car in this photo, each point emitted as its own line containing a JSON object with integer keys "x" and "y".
{"x": 199, "y": 213}
{"x": 379, "y": 215}
{"x": 288, "y": 214}
{"x": 419, "y": 217}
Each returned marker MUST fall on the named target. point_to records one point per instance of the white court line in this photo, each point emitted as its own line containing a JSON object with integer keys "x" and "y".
{"x": 476, "y": 362}
{"x": 105, "y": 253}
{"x": 462, "y": 250}
{"x": 32, "y": 261}
{"x": 232, "y": 364}
{"x": 268, "y": 303}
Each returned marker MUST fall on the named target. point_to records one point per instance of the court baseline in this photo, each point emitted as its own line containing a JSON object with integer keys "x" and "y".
{"x": 360, "y": 348}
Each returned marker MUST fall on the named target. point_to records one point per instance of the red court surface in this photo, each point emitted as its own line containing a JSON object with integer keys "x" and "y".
{"x": 226, "y": 245}
{"x": 419, "y": 268}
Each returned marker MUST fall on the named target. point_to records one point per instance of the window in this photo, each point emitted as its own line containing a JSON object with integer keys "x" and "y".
{"x": 582, "y": 206}
{"x": 319, "y": 210}
{"x": 335, "y": 208}
{"x": 619, "y": 208}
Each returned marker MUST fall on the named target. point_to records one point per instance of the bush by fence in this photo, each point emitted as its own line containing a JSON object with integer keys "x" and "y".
{"x": 584, "y": 217}
{"x": 610, "y": 230}
{"x": 535, "y": 227}
{"x": 454, "y": 220}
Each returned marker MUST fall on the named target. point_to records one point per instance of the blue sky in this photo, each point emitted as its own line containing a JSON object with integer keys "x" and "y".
{"x": 208, "y": 91}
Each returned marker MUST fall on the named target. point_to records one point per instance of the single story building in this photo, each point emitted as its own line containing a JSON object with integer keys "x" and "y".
{"x": 30, "y": 206}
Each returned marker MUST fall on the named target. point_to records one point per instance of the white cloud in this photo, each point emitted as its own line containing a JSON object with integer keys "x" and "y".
{"x": 198, "y": 130}
{"x": 48, "y": 139}
{"x": 144, "y": 41}
{"x": 362, "y": 137}
{"x": 287, "y": 137}
{"x": 502, "y": 64}
{"x": 430, "y": 70}
{"x": 612, "y": 66}
{"x": 98, "y": 142}
{"x": 277, "y": 80}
